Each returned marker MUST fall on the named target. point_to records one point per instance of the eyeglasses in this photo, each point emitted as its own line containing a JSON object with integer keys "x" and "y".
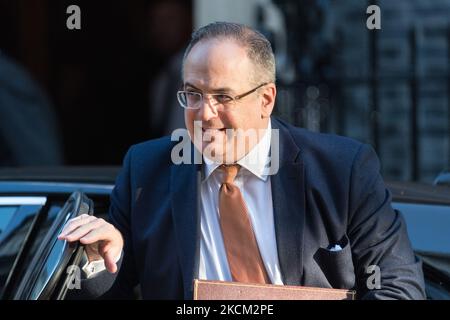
{"x": 194, "y": 100}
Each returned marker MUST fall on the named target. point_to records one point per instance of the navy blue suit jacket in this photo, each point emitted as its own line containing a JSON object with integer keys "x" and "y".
{"x": 328, "y": 190}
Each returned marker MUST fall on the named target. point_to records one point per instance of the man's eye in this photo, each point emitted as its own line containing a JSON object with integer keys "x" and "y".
{"x": 193, "y": 96}
{"x": 223, "y": 98}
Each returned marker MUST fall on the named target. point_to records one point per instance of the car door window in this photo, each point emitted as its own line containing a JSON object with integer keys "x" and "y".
{"x": 6, "y": 214}
{"x": 428, "y": 226}
{"x": 17, "y": 215}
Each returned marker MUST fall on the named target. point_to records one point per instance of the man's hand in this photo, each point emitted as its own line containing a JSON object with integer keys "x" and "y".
{"x": 101, "y": 239}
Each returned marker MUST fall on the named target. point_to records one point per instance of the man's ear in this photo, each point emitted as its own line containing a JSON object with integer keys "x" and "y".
{"x": 269, "y": 92}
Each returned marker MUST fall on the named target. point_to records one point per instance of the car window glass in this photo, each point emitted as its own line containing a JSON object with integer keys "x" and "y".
{"x": 42, "y": 230}
{"x": 6, "y": 214}
{"x": 13, "y": 237}
{"x": 45, "y": 225}
{"x": 428, "y": 226}
{"x": 48, "y": 268}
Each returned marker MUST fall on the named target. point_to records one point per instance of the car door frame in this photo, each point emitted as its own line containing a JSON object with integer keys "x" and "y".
{"x": 36, "y": 283}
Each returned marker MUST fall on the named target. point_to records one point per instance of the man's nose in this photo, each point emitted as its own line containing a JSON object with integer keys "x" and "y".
{"x": 207, "y": 110}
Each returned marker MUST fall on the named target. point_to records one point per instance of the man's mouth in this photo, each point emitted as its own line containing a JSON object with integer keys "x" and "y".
{"x": 213, "y": 129}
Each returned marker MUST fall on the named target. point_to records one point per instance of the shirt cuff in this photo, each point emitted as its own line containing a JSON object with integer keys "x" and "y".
{"x": 93, "y": 268}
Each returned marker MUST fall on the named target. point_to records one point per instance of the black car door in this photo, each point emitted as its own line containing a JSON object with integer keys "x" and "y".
{"x": 55, "y": 266}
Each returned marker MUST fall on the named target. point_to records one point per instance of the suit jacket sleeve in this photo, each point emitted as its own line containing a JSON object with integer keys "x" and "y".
{"x": 121, "y": 284}
{"x": 120, "y": 217}
{"x": 378, "y": 237}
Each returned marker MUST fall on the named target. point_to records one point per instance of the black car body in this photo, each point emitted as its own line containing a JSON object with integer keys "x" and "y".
{"x": 34, "y": 206}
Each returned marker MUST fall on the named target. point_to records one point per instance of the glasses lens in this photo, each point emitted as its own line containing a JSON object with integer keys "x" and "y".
{"x": 223, "y": 99}
{"x": 189, "y": 99}
{"x": 193, "y": 100}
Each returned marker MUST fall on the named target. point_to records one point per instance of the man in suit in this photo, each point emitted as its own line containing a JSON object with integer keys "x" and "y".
{"x": 322, "y": 219}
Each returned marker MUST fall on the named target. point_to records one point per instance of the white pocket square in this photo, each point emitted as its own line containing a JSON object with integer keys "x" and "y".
{"x": 336, "y": 247}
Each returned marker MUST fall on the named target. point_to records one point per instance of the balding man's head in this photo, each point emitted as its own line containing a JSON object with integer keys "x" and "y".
{"x": 257, "y": 46}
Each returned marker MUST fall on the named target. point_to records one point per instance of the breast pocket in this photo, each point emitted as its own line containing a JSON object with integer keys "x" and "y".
{"x": 337, "y": 266}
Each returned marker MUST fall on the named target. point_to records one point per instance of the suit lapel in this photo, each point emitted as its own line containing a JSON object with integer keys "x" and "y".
{"x": 288, "y": 194}
{"x": 185, "y": 212}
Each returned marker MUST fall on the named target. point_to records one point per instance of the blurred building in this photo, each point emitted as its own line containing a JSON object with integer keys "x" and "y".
{"x": 387, "y": 87}
{"x": 395, "y": 87}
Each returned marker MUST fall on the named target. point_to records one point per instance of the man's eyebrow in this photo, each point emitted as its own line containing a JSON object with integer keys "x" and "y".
{"x": 219, "y": 90}
{"x": 187, "y": 84}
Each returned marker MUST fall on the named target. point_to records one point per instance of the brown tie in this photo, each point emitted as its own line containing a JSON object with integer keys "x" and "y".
{"x": 243, "y": 254}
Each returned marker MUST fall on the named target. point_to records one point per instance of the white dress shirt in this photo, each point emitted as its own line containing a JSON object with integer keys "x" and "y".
{"x": 254, "y": 184}
{"x": 256, "y": 190}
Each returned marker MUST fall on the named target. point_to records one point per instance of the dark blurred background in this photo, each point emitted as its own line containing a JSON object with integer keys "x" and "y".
{"x": 98, "y": 78}
{"x": 82, "y": 97}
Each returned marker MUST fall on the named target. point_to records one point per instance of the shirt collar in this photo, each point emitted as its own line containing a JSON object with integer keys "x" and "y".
{"x": 255, "y": 161}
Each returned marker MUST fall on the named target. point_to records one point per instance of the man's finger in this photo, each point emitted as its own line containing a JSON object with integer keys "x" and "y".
{"x": 81, "y": 231}
{"x": 75, "y": 223}
{"x": 110, "y": 262}
{"x": 104, "y": 247}
{"x": 77, "y": 220}
{"x": 105, "y": 232}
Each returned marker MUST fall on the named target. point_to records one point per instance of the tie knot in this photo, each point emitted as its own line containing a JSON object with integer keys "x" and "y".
{"x": 230, "y": 172}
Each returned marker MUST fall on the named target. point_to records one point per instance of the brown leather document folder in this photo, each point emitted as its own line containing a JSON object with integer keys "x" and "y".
{"x": 222, "y": 290}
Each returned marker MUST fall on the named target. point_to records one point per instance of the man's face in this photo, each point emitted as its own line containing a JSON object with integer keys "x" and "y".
{"x": 222, "y": 66}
